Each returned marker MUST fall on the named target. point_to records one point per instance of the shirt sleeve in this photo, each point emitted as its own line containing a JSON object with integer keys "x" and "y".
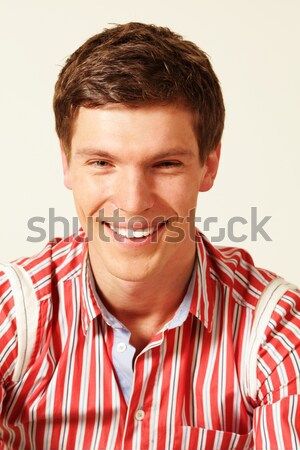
{"x": 8, "y": 334}
{"x": 276, "y": 421}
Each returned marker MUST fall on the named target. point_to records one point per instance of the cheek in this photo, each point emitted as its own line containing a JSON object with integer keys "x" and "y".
{"x": 183, "y": 196}
{"x": 85, "y": 204}
{"x": 89, "y": 195}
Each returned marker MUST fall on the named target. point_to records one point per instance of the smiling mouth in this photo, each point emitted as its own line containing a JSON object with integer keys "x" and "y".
{"x": 135, "y": 234}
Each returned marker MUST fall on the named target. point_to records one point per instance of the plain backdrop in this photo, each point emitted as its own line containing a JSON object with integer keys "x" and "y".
{"x": 254, "y": 48}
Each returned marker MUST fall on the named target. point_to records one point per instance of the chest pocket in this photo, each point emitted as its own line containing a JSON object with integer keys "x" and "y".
{"x": 192, "y": 438}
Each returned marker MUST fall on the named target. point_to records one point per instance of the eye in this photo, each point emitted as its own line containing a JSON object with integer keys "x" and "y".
{"x": 100, "y": 163}
{"x": 168, "y": 164}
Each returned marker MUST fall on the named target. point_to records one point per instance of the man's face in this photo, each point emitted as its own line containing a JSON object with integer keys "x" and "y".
{"x": 135, "y": 175}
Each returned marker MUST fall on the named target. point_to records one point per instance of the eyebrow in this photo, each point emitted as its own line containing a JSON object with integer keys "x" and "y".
{"x": 99, "y": 153}
{"x": 95, "y": 152}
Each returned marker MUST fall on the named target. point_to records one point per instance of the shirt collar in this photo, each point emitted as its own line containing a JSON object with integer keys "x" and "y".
{"x": 89, "y": 305}
{"x": 203, "y": 301}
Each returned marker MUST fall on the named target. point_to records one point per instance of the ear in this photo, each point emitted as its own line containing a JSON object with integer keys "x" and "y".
{"x": 66, "y": 167}
{"x": 211, "y": 168}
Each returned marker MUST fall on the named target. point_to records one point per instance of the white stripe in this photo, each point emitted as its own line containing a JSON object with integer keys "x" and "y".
{"x": 154, "y": 419}
{"x": 278, "y": 423}
{"x": 70, "y": 367}
{"x": 185, "y": 437}
{"x": 136, "y": 438}
{"x": 113, "y": 431}
{"x": 198, "y": 344}
{"x": 173, "y": 389}
{"x": 293, "y": 402}
{"x": 83, "y": 398}
{"x": 222, "y": 375}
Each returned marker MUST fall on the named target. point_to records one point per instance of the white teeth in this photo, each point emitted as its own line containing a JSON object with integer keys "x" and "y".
{"x": 131, "y": 234}
{"x": 142, "y": 233}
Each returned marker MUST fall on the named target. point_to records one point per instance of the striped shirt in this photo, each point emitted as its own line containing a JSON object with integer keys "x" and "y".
{"x": 189, "y": 387}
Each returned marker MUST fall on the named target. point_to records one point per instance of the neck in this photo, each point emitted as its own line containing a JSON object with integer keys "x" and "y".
{"x": 147, "y": 304}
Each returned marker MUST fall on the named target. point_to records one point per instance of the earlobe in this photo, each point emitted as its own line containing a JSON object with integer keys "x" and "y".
{"x": 211, "y": 169}
{"x": 66, "y": 168}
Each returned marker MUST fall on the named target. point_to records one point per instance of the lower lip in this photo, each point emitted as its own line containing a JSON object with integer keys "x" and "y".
{"x": 136, "y": 242}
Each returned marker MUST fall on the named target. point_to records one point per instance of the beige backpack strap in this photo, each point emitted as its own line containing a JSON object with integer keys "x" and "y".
{"x": 262, "y": 315}
{"x": 27, "y": 315}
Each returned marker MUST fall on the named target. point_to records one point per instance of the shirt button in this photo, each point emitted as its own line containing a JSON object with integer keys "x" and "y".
{"x": 139, "y": 415}
{"x": 121, "y": 347}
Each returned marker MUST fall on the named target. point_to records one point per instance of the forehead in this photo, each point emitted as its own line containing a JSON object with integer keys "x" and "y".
{"x": 147, "y": 128}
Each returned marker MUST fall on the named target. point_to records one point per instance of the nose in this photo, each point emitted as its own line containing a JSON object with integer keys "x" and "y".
{"x": 133, "y": 192}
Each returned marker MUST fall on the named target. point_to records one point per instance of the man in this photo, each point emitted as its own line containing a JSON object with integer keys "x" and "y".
{"x": 138, "y": 333}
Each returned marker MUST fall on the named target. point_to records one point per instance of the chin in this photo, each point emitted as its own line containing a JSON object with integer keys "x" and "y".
{"x": 133, "y": 270}
{"x": 131, "y": 275}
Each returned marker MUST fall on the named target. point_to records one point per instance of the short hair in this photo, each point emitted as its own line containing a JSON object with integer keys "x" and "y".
{"x": 136, "y": 64}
